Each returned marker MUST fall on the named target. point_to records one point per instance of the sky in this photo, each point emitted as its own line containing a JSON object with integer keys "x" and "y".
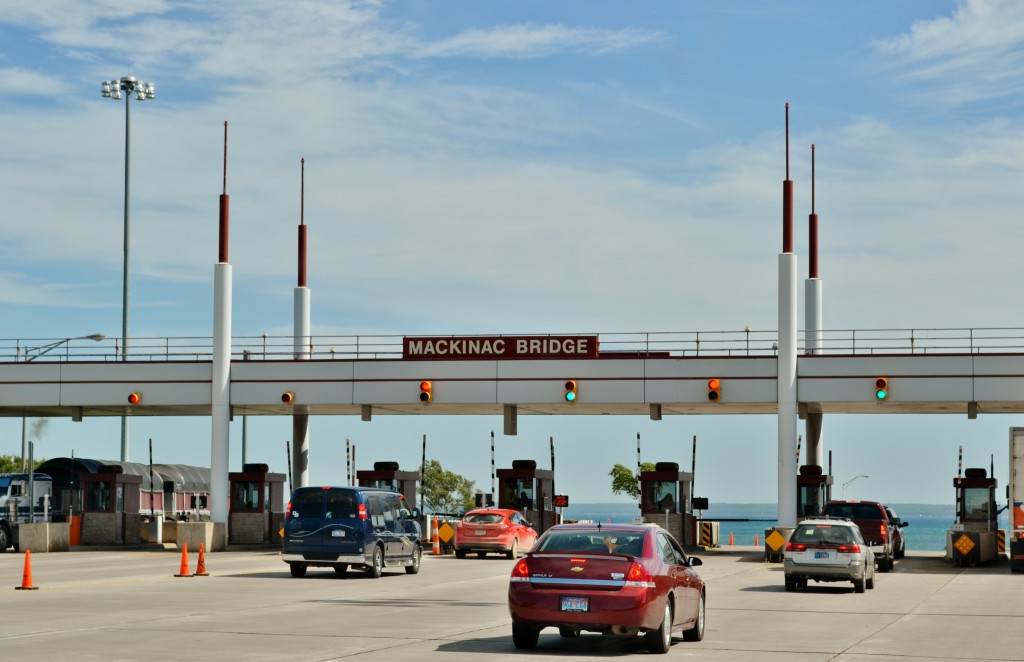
{"x": 518, "y": 168}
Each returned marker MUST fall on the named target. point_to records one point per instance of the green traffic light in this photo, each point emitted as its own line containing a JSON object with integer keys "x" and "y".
{"x": 570, "y": 396}
{"x": 881, "y": 394}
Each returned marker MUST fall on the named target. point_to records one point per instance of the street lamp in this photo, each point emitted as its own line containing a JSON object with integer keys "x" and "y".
{"x": 847, "y": 483}
{"x": 98, "y": 337}
{"x": 112, "y": 90}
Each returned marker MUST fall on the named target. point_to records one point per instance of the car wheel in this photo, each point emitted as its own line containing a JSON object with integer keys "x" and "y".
{"x": 870, "y": 582}
{"x": 5, "y": 538}
{"x": 298, "y": 569}
{"x": 569, "y": 631}
{"x": 525, "y": 636}
{"x": 659, "y": 640}
{"x": 340, "y": 570}
{"x": 514, "y": 550}
{"x": 858, "y": 584}
{"x": 376, "y": 567}
{"x": 884, "y": 564}
{"x": 460, "y": 553}
{"x": 481, "y": 554}
{"x": 801, "y": 583}
{"x": 790, "y": 584}
{"x": 696, "y": 633}
{"x": 414, "y": 567}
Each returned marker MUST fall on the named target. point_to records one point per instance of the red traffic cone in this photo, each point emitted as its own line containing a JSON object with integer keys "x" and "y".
{"x": 201, "y": 563}
{"x": 435, "y": 543}
{"x": 26, "y": 577}
{"x": 184, "y": 562}
{"x": 731, "y": 540}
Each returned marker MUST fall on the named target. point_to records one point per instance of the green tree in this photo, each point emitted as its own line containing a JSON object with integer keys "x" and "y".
{"x": 446, "y": 491}
{"x": 11, "y": 464}
{"x": 625, "y": 481}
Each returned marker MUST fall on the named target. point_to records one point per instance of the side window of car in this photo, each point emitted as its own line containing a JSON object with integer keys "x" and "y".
{"x": 376, "y": 509}
{"x": 668, "y": 554}
{"x": 390, "y": 509}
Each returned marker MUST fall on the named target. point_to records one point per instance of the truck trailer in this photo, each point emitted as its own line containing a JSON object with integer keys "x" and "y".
{"x": 1015, "y": 497}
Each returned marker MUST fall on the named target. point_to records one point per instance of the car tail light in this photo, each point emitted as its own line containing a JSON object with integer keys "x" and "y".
{"x": 638, "y": 576}
{"x": 362, "y": 511}
{"x": 288, "y": 510}
{"x": 521, "y": 572}
{"x": 884, "y": 530}
{"x": 795, "y": 547}
{"x": 849, "y": 549}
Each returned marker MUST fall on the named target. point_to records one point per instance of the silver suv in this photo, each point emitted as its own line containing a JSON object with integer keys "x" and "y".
{"x": 828, "y": 549}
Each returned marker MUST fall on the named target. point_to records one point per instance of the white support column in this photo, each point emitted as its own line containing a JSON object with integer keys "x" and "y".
{"x": 787, "y": 388}
{"x": 221, "y": 393}
{"x": 813, "y": 330}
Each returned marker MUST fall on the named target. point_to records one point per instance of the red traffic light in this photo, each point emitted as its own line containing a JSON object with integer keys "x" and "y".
{"x": 288, "y": 397}
{"x": 714, "y": 389}
{"x": 134, "y": 398}
{"x": 426, "y": 391}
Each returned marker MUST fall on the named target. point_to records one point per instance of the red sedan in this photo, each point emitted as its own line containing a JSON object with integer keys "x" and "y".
{"x": 493, "y": 530}
{"x": 617, "y": 579}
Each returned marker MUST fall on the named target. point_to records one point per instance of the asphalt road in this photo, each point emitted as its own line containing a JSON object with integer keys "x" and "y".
{"x": 128, "y": 605}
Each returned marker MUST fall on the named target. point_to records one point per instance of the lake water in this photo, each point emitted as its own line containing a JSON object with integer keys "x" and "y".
{"x": 927, "y": 530}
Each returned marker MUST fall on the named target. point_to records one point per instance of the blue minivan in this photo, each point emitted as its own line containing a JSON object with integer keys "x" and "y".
{"x": 339, "y": 527}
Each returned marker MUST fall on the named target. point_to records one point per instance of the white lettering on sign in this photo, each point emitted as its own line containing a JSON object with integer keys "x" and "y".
{"x": 509, "y": 347}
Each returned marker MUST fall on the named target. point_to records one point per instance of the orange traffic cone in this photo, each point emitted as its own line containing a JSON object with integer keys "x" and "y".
{"x": 755, "y": 540}
{"x": 436, "y": 544}
{"x": 184, "y": 562}
{"x": 201, "y": 563}
{"x": 26, "y": 577}
{"x": 730, "y": 539}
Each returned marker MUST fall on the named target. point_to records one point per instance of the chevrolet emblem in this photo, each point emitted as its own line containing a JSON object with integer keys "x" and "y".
{"x": 576, "y": 569}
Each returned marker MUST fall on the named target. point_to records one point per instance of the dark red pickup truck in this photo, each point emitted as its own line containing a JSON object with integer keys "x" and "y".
{"x": 874, "y": 524}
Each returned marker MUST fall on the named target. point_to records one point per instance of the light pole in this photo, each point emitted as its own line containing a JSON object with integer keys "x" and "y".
{"x": 142, "y": 90}
{"x": 98, "y": 337}
{"x": 847, "y": 483}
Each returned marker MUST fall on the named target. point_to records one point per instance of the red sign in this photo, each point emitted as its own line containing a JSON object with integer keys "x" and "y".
{"x": 561, "y": 501}
{"x": 499, "y": 347}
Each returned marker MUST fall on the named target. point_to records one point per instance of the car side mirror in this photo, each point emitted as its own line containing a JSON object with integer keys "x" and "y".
{"x": 527, "y": 523}
{"x": 415, "y": 514}
{"x": 902, "y": 523}
{"x": 694, "y": 561}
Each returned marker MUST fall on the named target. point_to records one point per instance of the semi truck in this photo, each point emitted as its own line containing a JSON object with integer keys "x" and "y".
{"x": 24, "y": 497}
{"x": 1015, "y": 499}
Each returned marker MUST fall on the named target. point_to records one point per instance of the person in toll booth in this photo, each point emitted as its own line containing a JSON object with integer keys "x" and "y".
{"x": 667, "y": 503}
{"x": 525, "y": 502}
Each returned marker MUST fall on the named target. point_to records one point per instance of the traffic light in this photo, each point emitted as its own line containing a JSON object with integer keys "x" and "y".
{"x": 288, "y": 397}
{"x": 714, "y": 389}
{"x": 570, "y": 390}
{"x": 134, "y": 398}
{"x": 426, "y": 391}
{"x": 881, "y": 389}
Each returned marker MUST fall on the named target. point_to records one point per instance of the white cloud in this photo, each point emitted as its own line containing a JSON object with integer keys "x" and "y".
{"x": 527, "y": 40}
{"x": 15, "y": 81}
{"x": 975, "y": 53}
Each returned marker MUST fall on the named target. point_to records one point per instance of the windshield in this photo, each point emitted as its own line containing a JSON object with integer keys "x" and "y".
{"x": 617, "y": 542}
{"x": 483, "y": 518}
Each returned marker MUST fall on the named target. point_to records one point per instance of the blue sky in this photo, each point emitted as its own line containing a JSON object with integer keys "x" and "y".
{"x": 527, "y": 167}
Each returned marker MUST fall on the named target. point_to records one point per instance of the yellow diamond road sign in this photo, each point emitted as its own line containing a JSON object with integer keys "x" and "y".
{"x": 775, "y": 540}
{"x": 445, "y": 532}
{"x": 964, "y": 544}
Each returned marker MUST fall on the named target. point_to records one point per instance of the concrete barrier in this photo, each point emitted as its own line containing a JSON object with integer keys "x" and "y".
{"x": 213, "y": 536}
{"x": 44, "y": 537}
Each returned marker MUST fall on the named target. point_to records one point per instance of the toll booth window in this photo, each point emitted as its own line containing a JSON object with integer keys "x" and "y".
{"x": 99, "y": 497}
{"x": 247, "y": 496}
{"x": 811, "y": 500}
{"x": 341, "y": 504}
{"x": 524, "y": 494}
{"x": 662, "y": 495}
{"x": 976, "y": 504}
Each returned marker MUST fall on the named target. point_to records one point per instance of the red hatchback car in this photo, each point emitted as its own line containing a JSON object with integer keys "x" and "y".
{"x": 493, "y": 530}
{"x": 617, "y": 579}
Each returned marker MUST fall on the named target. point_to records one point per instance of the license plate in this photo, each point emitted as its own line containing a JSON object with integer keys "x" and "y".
{"x": 823, "y": 554}
{"x": 481, "y": 532}
{"x": 575, "y": 604}
{"x": 337, "y": 533}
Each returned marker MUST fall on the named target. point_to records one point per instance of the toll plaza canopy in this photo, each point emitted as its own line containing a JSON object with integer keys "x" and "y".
{"x": 67, "y": 473}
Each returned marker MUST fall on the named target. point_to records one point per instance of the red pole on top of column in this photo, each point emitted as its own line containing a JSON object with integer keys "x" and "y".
{"x": 224, "y": 202}
{"x": 302, "y": 228}
{"x": 813, "y": 222}
{"x": 787, "y": 199}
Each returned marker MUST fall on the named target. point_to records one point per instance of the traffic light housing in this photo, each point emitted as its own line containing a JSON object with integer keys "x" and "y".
{"x": 714, "y": 389}
{"x": 881, "y": 389}
{"x": 134, "y": 398}
{"x": 288, "y": 397}
{"x": 571, "y": 390}
{"x": 426, "y": 391}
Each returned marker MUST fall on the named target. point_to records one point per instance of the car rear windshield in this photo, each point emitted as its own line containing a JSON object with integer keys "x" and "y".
{"x": 617, "y": 542}
{"x": 307, "y": 503}
{"x": 483, "y": 518}
{"x": 818, "y": 534}
{"x": 854, "y": 510}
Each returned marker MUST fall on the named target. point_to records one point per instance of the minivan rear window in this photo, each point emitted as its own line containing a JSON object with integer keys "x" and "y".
{"x": 307, "y": 503}
{"x": 342, "y": 504}
{"x": 855, "y": 511}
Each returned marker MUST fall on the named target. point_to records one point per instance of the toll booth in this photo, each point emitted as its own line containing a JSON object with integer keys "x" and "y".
{"x": 972, "y": 539}
{"x": 666, "y": 498}
{"x": 813, "y": 491}
{"x": 386, "y": 476}
{"x": 111, "y": 513}
{"x": 256, "y": 507}
{"x": 529, "y": 490}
